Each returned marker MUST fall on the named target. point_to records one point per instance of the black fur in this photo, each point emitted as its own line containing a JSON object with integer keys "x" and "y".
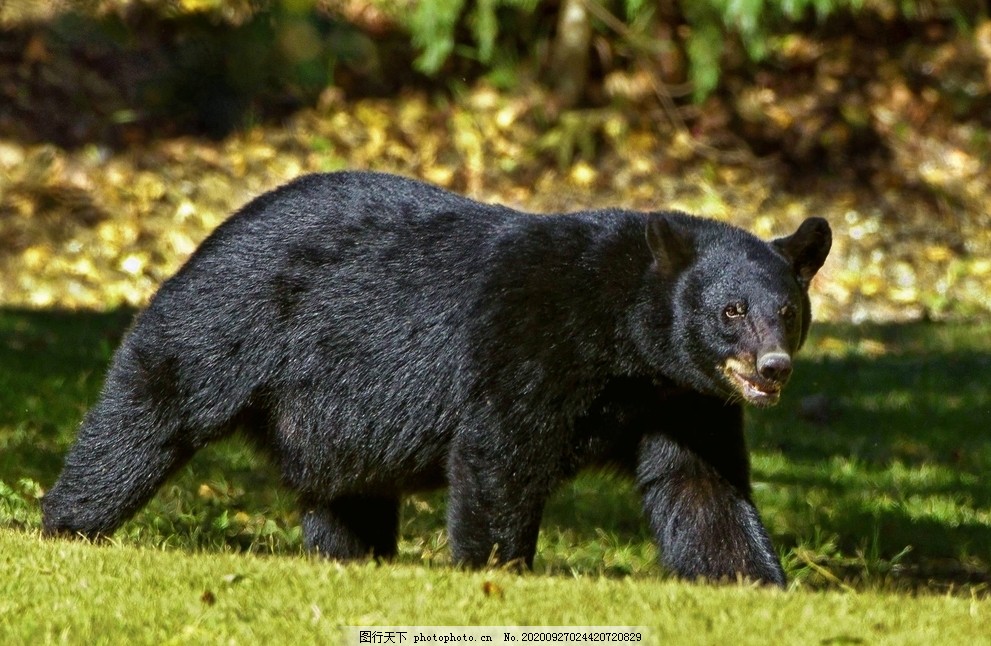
{"x": 380, "y": 336}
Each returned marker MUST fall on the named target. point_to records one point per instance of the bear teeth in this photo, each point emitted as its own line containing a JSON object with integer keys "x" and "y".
{"x": 756, "y": 392}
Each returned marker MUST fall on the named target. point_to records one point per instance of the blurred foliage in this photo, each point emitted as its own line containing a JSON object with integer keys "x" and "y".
{"x": 712, "y": 37}
{"x": 130, "y": 128}
{"x": 758, "y": 25}
{"x": 487, "y": 31}
{"x": 91, "y": 228}
{"x": 433, "y": 24}
{"x": 184, "y": 65}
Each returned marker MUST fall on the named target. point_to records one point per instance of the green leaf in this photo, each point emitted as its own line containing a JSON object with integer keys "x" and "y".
{"x": 704, "y": 47}
{"x": 486, "y": 29}
{"x": 432, "y": 25}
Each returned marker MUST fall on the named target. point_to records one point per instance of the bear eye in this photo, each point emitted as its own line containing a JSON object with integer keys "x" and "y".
{"x": 787, "y": 312}
{"x": 735, "y": 310}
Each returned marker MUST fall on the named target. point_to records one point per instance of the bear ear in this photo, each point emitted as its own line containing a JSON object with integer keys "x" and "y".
{"x": 807, "y": 248}
{"x": 670, "y": 243}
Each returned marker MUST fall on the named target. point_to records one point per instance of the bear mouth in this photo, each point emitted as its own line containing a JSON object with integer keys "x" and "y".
{"x": 754, "y": 389}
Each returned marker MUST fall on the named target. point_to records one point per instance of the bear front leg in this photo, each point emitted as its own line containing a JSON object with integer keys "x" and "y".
{"x": 494, "y": 509}
{"x": 353, "y": 527}
{"x": 696, "y": 493}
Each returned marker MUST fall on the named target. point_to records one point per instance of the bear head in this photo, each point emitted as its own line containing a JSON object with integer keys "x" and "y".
{"x": 724, "y": 311}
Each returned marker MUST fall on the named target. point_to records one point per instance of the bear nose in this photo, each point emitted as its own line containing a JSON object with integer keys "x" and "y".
{"x": 774, "y": 366}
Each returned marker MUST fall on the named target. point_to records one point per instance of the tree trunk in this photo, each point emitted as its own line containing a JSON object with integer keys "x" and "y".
{"x": 569, "y": 57}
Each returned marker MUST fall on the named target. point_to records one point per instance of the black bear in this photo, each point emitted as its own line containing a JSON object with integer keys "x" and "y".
{"x": 380, "y": 336}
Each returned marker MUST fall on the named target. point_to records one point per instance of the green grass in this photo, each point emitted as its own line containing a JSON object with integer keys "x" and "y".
{"x": 871, "y": 477}
{"x": 56, "y": 591}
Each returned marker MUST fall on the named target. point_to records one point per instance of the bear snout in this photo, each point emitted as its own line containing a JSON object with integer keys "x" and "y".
{"x": 774, "y": 366}
{"x": 758, "y": 382}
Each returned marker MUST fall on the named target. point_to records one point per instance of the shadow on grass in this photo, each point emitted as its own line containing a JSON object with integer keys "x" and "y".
{"x": 881, "y": 446}
{"x": 51, "y": 369}
{"x": 882, "y": 455}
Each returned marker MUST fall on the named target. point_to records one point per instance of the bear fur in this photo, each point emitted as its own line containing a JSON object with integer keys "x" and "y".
{"x": 379, "y": 336}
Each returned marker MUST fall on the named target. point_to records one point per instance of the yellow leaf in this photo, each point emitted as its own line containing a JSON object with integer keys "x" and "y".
{"x": 132, "y": 264}
{"x": 582, "y": 175}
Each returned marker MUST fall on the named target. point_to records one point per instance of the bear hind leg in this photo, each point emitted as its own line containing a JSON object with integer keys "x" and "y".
{"x": 122, "y": 456}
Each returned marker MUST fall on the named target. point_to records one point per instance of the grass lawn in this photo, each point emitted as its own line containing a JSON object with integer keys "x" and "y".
{"x": 870, "y": 476}
{"x": 61, "y": 591}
